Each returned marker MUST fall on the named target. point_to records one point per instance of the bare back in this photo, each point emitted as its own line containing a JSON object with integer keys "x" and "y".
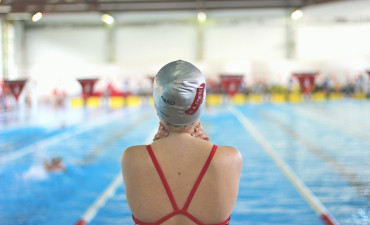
{"x": 181, "y": 158}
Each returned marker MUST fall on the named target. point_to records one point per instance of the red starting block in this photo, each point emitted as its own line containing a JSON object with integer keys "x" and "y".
{"x": 306, "y": 81}
{"x": 231, "y": 83}
{"x": 87, "y": 87}
{"x": 15, "y": 86}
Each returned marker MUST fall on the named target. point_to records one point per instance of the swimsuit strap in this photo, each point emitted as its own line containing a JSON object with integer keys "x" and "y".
{"x": 200, "y": 177}
{"x": 163, "y": 178}
{"x": 170, "y": 195}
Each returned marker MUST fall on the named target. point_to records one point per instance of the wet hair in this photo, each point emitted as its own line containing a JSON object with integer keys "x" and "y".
{"x": 56, "y": 160}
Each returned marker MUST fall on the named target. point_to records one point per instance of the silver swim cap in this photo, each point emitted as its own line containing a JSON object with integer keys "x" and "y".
{"x": 179, "y": 93}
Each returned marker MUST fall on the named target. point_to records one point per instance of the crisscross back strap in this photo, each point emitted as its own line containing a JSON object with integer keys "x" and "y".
{"x": 200, "y": 177}
{"x": 163, "y": 178}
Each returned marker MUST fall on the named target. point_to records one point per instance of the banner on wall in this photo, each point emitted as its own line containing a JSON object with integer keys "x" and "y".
{"x": 306, "y": 81}
{"x": 231, "y": 83}
{"x": 151, "y": 79}
{"x": 16, "y": 87}
{"x": 87, "y": 87}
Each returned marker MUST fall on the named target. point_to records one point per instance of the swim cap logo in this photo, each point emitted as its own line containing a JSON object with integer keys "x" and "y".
{"x": 198, "y": 100}
{"x": 167, "y": 101}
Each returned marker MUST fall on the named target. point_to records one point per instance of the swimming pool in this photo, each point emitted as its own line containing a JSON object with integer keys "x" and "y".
{"x": 326, "y": 145}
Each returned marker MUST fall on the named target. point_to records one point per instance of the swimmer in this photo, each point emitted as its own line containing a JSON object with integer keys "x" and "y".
{"x": 181, "y": 178}
{"x": 56, "y": 164}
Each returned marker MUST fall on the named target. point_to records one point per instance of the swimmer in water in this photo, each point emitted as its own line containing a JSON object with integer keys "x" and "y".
{"x": 56, "y": 164}
{"x": 181, "y": 178}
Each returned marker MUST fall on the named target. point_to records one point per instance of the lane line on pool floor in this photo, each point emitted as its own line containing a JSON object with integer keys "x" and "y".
{"x": 42, "y": 144}
{"x": 349, "y": 175}
{"x": 310, "y": 198}
{"x": 94, "y": 208}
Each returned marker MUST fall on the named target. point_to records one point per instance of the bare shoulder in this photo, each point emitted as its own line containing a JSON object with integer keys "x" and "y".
{"x": 228, "y": 155}
{"x": 228, "y": 151}
{"x": 227, "y": 166}
{"x": 132, "y": 154}
{"x": 133, "y": 150}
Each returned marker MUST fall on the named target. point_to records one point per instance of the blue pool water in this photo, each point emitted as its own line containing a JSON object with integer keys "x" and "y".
{"x": 327, "y": 145}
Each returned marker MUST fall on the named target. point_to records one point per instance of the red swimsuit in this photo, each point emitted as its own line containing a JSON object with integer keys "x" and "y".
{"x": 176, "y": 210}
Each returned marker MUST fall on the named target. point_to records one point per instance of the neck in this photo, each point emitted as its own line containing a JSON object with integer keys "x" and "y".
{"x": 179, "y": 130}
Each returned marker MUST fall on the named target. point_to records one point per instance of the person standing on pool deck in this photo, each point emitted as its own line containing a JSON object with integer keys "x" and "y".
{"x": 180, "y": 179}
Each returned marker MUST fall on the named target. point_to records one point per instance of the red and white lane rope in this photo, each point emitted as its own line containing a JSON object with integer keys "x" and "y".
{"x": 107, "y": 194}
{"x": 311, "y": 199}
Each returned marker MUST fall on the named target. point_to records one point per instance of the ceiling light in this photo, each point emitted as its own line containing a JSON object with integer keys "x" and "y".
{"x": 202, "y": 17}
{"x": 108, "y": 19}
{"x": 36, "y": 17}
{"x": 297, "y": 14}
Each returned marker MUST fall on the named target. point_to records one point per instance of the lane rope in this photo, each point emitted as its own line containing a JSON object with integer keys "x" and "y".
{"x": 42, "y": 144}
{"x": 94, "y": 208}
{"x": 113, "y": 136}
{"x": 333, "y": 122}
{"x": 345, "y": 172}
{"x": 310, "y": 198}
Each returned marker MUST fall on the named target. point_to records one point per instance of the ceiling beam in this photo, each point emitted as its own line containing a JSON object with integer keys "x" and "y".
{"x": 67, "y": 6}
